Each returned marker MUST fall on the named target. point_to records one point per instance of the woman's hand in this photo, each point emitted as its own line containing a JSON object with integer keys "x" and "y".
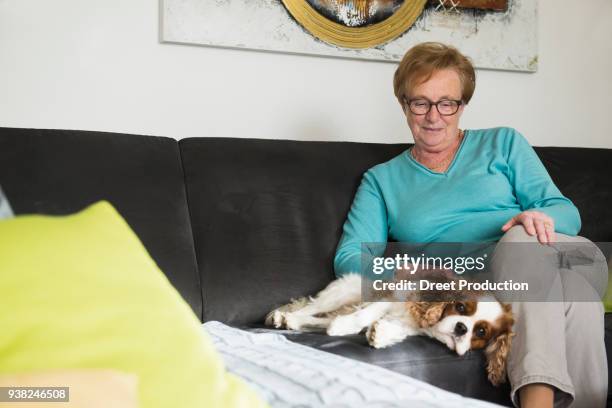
{"x": 535, "y": 223}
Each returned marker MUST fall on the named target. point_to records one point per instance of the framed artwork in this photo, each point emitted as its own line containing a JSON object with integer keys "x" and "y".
{"x": 496, "y": 34}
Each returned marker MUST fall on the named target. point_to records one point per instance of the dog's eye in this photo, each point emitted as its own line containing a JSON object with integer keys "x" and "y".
{"x": 480, "y": 332}
{"x": 460, "y": 307}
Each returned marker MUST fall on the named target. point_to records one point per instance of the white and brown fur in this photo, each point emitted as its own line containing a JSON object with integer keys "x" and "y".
{"x": 475, "y": 320}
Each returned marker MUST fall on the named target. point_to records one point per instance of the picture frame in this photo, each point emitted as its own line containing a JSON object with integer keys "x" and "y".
{"x": 495, "y": 34}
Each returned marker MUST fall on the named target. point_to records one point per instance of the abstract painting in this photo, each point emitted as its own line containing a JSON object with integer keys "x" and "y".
{"x": 355, "y": 13}
{"x": 496, "y": 34}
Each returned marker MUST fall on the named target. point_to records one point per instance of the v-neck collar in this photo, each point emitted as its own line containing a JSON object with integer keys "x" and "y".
{"x": 450, "y": 167}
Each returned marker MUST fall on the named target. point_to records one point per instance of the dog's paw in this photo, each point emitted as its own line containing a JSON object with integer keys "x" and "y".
{"x": 384, "y": 333}
{"x": 373, "y": 336}
{"x": 376, "y": 335}
{"x": 342, "y": 326}
{"x": 279, "y": 319}
{"x": 292, "y": 321}
{"x": 276, "y": 319}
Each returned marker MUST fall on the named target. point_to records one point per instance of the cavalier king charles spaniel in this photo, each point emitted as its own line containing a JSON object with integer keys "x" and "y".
{"x": 464, "y": 321}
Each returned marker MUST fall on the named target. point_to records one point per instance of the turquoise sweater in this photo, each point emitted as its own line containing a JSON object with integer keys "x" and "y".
{"x": 494, "y": 176}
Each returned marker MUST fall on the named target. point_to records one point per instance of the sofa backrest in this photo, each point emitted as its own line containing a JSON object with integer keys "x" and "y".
{"x": 266, "y": 217}
{"x": 267, "y": 214}
{"x": 584, "y": 175}
{"x": 61, "y": 172}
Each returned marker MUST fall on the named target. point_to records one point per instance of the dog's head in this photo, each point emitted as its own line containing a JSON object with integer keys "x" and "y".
{"x": 483, "y": 323}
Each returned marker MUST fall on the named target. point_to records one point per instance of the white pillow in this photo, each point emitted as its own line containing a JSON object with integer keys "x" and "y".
{"x": 5, "y": 207}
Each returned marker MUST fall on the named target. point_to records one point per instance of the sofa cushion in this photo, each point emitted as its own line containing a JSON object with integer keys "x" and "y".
{"x": 81, "y": 292}
{"x": 294, "y": 375}
{"x": 417, "y": 357}
{"x": 61, "y": 171}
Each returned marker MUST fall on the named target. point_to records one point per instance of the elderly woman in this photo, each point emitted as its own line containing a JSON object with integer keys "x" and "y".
{"x": 463, "y": 185}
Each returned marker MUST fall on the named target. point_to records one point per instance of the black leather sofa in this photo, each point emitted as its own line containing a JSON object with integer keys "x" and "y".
{"x": 240, "y": 226}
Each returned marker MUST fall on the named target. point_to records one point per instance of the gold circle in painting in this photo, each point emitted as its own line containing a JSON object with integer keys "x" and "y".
{"x": 355, "y": 37}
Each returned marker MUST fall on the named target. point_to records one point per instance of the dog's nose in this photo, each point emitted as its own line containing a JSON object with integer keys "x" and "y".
{"x": 460, "y": 329}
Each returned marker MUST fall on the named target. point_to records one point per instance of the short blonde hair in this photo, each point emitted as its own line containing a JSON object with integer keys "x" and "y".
{"x": 422, "y": 60}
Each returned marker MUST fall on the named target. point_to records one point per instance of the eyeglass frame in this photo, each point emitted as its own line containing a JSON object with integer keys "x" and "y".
{"x": 459, "y": 103}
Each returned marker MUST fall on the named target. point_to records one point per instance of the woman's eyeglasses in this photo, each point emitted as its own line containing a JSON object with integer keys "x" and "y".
{"x": 445, "y": 107}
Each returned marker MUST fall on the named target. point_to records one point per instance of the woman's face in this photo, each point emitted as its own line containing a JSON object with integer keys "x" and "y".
{"x": 432, "y": 131}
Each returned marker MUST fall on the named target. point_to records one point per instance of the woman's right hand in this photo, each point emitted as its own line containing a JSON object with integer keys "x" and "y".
{"x": 535, "y": 223}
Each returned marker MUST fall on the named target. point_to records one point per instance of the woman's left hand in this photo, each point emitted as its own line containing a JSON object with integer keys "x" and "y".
{"x": 535, "y": 223}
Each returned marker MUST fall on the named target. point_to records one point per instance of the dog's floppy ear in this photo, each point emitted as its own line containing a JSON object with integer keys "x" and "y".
{"x": 497, "y": 353}
{"x": 426, "y": 314}
{"x": 508, "y": 309}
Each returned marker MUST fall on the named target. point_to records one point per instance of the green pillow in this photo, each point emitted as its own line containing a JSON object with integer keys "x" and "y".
{"x": 81, "y": 291}
{"x": 608, "y": 296}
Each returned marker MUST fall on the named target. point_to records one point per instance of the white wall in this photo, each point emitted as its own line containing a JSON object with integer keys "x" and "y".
{"x": 98, "y": 65}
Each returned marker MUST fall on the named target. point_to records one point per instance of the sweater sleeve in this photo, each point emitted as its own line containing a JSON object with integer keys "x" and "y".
{"x": 535, "y": 189}
{"x": 366, "y": 223}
